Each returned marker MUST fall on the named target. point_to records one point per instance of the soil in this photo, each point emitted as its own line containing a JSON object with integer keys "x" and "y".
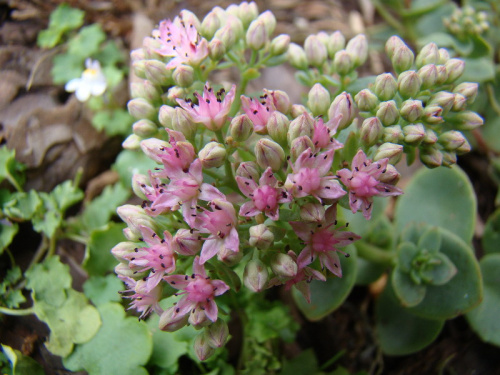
{"x": 52, "y": 135}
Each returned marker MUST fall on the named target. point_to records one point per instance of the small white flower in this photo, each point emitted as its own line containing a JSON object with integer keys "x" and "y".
{"x": 92, "y": 82}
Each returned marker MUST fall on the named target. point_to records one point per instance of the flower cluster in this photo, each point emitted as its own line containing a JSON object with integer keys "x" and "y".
{"x": 253, "y": 183}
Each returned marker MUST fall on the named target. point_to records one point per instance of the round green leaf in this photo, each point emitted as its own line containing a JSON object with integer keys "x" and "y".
{"x": 491, "y": 236}
{"x": 484, "y": 318}
{"x": 400, "y": 332}
{"x": 98, "y": 257}
{"x": 443, "y": 197}
{"x": 462, "y": 292}
{"x": 409, "y": 293}
{"x": 327, "y": 296}
{"x": 103, "y": 289}
{"x": 122, "y": 346}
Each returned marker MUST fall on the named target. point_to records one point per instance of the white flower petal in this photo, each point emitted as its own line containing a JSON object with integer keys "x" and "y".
{"x": 83, "y": 93}
{"x": 73, "y": 85}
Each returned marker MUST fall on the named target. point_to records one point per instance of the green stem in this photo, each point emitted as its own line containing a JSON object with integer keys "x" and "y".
{"x": 374, "y": 253}
{"x": 14, "y": 182}
{"x": 229, "y": 180}
{"x": 491, "y": 96}
{"x": 16, "y": 312}
{"x": 388, "y": 17}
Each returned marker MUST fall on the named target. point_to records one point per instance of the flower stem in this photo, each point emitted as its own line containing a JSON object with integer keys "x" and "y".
{"x": 374, "y": 253}
{"x": 16, "y": 312}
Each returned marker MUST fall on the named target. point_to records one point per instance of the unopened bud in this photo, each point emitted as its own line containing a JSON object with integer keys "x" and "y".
{"x": 277, "y": 127}
{"x": 183, "y": 75}
{"x": 343, "y": 62}
{"x": 467, "y": 89}
{"x": 432, "y": 114}
{"x": 343, "y": 105}
{"x": 460, "y": 103}
{"x": 392, "y": 44}
{"x": 318, "y": 100}
{"x": 198, "y": 319}
{"x": 430, "y": 137}
{"x": 297, "y": 110}
{"x": 181, "y": 122}
{"x": 217, "y": 333}
{"x": 241, "y": 128}
{"x": 135, "y": 217}
{"x": 335, "y": 43}
{"x": 393, "y": 134}
{"x": 257, "y": 36}
{"x": 186, "y": 243}
{"x": 216, "y": 49}
{"x": 315, "y": 50}
{"x": 144, "y": 128}
{"x": 138, "y": 182}
{"x": 122, "y": 249}
{"x": 248, "y": 169}
{"x": 391, "y": 176}
{"x": 444, "y": 99}
{"x": 247, "y": 12}
{"x": 261, "y": 237}
{"x": 428, "y": 74}
{"x": 190, "y": 18}
{"x": 442, "y": 74}
{"x": 170, "y": 321}
{"x": 226, "y": 36}
{"x": 139, "y": 68}
{"x": 388, "y": 113}
{"x": 455, "y": 69}
{"x": 255, "y": 275}
{"x": 269, "y": 154}
{"x": 229, "y": 257}
{"x": 211, "y": 23}
{"x": 157, "y": 72}
{"x": 449, "y": 158}
{"x": 464, "y": 148}
{"x": 297, "y": 56}
{"x": 444, "y": 56}
{"x": 132, "y": 142}
{"x": 366, "y": 100}
{"x": 429, "y": 54}
{"x": 284, "y": 266}
{"x": 385, "y": 86}
{"x": 212, "y": 155}
{"x": 280, "y": 44}
{"x": 468, "y": 120}
{"x": 281, "y": 101}
{"x": 371, "y": 131}
{"x": 302, "y": 125}
{"x": 409, "y": 84}
{"x": 452, "y": 140}
{"x": 391, "y": 151}
{"x": 165, "y": 116}
{"x": 299, "y": 145}
{"x": 269, "y": 21}
{"x": 123, "y": 269}
{"x": 314, "y": 212}
{"x": 414, "y": 134}
{"x": 411, "y": 110}
{"x": 357, "y": 47}
{"x": 431, "y": 157}
{"x": 137, "y": 55}
{"x": 140, "y": 108}
{"x": 202, "y": 347}
{"x": 145, "y": 90}
{"x": 153, "y": 147}
{"x": 403, "y": 58}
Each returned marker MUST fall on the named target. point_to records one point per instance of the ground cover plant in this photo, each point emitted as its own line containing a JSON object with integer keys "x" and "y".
{"x": 241, "y": 218}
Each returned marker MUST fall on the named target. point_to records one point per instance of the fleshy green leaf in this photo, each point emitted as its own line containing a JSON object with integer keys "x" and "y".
{"x": 406, "y": 252}
{"x": 303, "y": 364}
{"x": 400, "y": 332}
{"x": 103, "y": 289}
{"x": 329, "y": 295}
{"x": 441, "y": 197}
{"x": 441, "y": 272}
{"x": 484, "y": 318}
{"x": 430, "y": 240}
{"x": 478, "y": 70}
{"x": 408, "y": 293}
{"x": 122, "y": 346}
{"x": 491, "y": 235}
{"x": 86, "y": 42}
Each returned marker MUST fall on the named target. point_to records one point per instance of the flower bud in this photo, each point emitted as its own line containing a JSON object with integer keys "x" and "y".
{"x": 298, "y": 110}
{"x": 391, "y": 176}
{"x": 444, "y": 56}
{"x": 342, "y": 104}
{"x": 123, "y": 269}
{"x": 281, "y": 101}
{"x": 190, "y": 18}
{"x": 269, "y": 154}
{"x": 135, "y": 217}
{"x": 391, "y": 151}
{"x": 255, "y": 275}
{"x": 139, "y": 68}
{"x": 409, "y": 84}
{"x": 430, "y": 137}
{"x": 388, "y": 113}
{"x": 183, "y": 75}
{"x": 165, "y": 116}
{"x": 403, "y": 58}
{"x": 152, "y": 148}
{"x": 431, "y": 157}
{"x": 174, "y": 93}
{"x": 140, "y": 108}
{"x": 132, "y": 142}
{"x": 318, "y": 100}
{"x": 357, "y": 47}
{"x": 442, "y": 74}
{"x": 392, "y": 44}
{"x": 247, "y": 12}
{"x": 371, "y": 131}
{"x": 467, "y": 89}
{"x": 186, "y": 243}
{"x": 313, "y": 212}
{"x": 144, "y": 128}
{"x": 157, "y": 72}
{"x": 202, "y": 347}
{"x": 145, "y": 90}
{"x": 269, "y": 20}
{"x": 297, "y": 56}
{"x": 137, "y": 55}
{"x": 432, "y": 114}
{"x": 366, "y": 100}
{"x": 248, "y": 169}
{"x": 449, "y": 158}
{"x": 468, "y": 120}
{"x": 343, "y": 62}
{"x": 171, "y": 322}
{"x": 455, "y": 69}
{"x": 277, "y": 127}
{"x": 280, "y": 44}
{"x": 284, "y": 266}
{"x": 414, "y": 134}
{"x": 241, "y": 128}
{"x": 216, "y": 49}
{"x": 198, "y": 319}
{"x": 443, "y": 99}
{"x": 393, "y": 134}
{"x": 323, "y": 37}
{"x": 261, "y": 237}
{"x": 212, "y": 155}
{"x": 217, "y": 333}
{"x": 428, "y": 74}
{"x": 460, "y": 103}
{"x": 335, "y": 43}
{"x": 299, "y": 145}
{"x": 226, "y": 36}
{"x": 181, "y": 122}
{"x": 211, "y": 23}
{"x": 411, "y": 110}
{"x": 315, "y": 51}
{"x": 122, "y": 249}
{"x": 150, "y": 47}
{"x": 385, "y": 86}
{"x": 302, "y": 125}
{"x": 464, "y": 148}
{"x": 138, "y": 182}
{"x": 452, "y": 140}
{"x": 229, "y": 257}
{"x": 256, "y": 36}
{"x": 429, "y": 54}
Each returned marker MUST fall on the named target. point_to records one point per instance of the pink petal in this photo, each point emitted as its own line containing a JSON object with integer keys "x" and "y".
{"x": 331, "y": 261}
{"x": 211, "y": 310}
{"x": 210, "y": 248}
{"x": 305, "y": 257}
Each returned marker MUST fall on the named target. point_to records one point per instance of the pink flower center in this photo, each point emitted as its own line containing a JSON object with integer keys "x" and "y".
{"x": 323, "y": 241}
{"x": 200, "y": 289}
{"x": 308, "y": 180}
{"x": 219, "y": 222}
{"x": 364, "y": 185}
{"x": 265, "y": 197}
